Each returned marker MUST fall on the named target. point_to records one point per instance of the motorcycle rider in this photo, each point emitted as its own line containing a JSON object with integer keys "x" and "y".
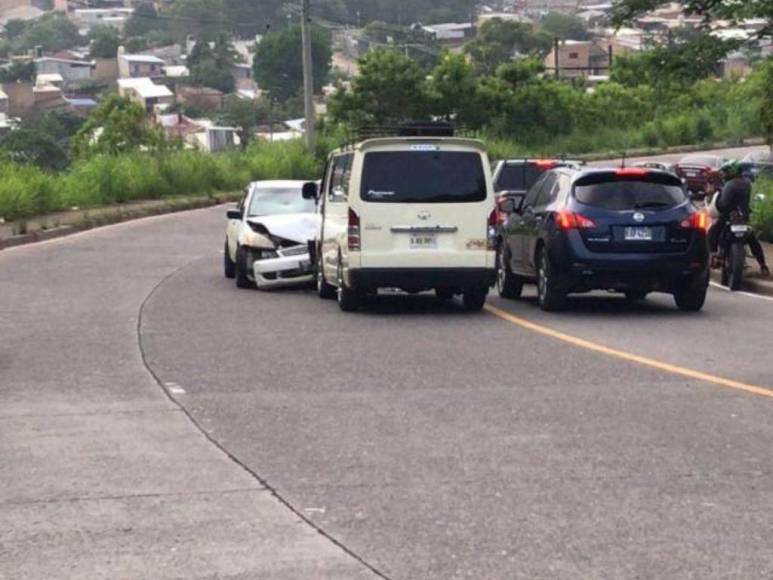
{"x": 735, "y": 195}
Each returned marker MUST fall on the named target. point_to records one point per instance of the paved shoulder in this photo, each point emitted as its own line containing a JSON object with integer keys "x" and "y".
{"x": 102, "y": 475}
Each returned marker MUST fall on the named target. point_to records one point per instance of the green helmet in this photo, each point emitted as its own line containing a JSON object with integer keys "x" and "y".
{"x": 731, "y": 169}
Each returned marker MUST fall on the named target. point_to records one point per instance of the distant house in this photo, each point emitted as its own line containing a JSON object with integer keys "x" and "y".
{"x": 90, "y": 17}
{"x": 451, "y": 32}
{"x": 3, "y": 103}
{"x": 145, "y": 92}
{"x": 202, "y": 98}
{"x": 139, "y": 65}
{"x": 70, "y": 70}
{"x": 579, "y": 58}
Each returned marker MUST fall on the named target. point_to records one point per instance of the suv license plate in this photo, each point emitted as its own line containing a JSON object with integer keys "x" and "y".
{"x": 423, "y": 242}
{"x": 638, "y": 234}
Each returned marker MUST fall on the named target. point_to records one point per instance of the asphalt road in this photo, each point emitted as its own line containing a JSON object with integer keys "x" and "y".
{"x": 422, "y": 441}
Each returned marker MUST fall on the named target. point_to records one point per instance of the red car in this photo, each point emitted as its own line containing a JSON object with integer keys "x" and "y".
{"x": 700, "y": 172}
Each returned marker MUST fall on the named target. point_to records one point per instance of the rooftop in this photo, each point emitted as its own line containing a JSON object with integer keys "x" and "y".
{"x": 142, "y": 58}
{"x": 145, "y": 88}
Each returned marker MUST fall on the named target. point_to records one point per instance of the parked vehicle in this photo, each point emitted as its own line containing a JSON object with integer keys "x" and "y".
{"x": 631, "y": 230}
{"x": 700, "y": 172}
{"x": 732, "y": 250}
{"x": 267, "y": 236}
{"x": 659, "y": 165}
{"x": 415, "y": 213}
{"x": 516, "y": 176}
{"x": 758, "y": 164}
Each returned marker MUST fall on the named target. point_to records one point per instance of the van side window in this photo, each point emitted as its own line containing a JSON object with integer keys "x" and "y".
{"x": 340, "y": 177}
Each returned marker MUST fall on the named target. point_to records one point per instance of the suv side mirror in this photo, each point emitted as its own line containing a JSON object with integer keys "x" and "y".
{"x": 310, "y": 190}
{"x": 234, "y": 214}
{"x": 514, "y": 203}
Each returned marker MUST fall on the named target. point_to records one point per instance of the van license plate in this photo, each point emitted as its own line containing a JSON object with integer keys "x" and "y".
{"x": 423, "y": 242}
{"x": 638, "y": 234}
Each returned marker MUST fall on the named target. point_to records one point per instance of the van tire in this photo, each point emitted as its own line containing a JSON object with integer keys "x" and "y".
{"x": 474, "y": 299}
{"x": 229, "y": 266}
{"x": 444, "y": 294}
{"x": 348, "y": 298}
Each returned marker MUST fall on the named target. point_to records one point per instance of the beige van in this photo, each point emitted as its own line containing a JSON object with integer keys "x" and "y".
{"x": 415, "y": 213}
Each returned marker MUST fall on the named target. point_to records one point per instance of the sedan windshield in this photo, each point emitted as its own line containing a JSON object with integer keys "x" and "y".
{"x": 423, "y": 177}
{"x": 277, "y": 201}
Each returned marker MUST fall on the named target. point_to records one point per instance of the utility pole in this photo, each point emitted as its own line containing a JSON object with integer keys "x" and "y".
{"x": 308, "y": 77}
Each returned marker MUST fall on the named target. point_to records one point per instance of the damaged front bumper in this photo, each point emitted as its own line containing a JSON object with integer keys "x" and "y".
{"x": 288, "y": 267}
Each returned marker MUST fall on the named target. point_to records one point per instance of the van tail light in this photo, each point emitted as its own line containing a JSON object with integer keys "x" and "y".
{"x": 699, "y": 220}
{"x": 354, "y": 242}
{"x": 569, "y": 220}
{"x": 491, "y": 229}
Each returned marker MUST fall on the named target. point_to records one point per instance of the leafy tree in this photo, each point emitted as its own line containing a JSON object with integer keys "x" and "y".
{"x": 211, "y": 66}
{"x": 390, "y": 89}
{"x": 144, "y": 19}
{"x": 279, "y": 66}
{"x": 248, "y": 17}
{"x": 624, "y": 11}
{"x": 104, "y": 42}
{"x": 204, "y": 20}
{"x": 123, "y": 128}
{"x": 564, "y": 26}
{"x": 34, "y": 147}
{"x": 242, "y": 114}
{"x": 522, "y": 72}
{"x": 18, "y": 71}
{"x": 53, "y": 32}
{"x": 453, "y": 87}
{"x": 15, "y": 28}
{"x": 498, "y": 40}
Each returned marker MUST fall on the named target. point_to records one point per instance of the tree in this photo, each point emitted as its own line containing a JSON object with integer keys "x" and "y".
{"x": 34, "y": 147}
{"x": 625, "y": 11}
{"x": 123, "y": 128}
{"x": 278, "y": 64}
{"x": 204, "y": 20}
{"x": 18, "y": 71}
{"x": 211, "y": 66}
{"x": 564, "y": 26}
{"x": 242, "y": 114}
{"x": 453, "y": 87}
{"x": 144, "y": 19}
{"x": 390, "y": 89}
{"x": 53, "y": 32}
{"x": 104, "y": 42}
{"x": 498, "y": 40}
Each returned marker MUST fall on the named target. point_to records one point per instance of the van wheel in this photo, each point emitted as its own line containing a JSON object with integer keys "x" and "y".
{"x": 348, "y": 298}
{"x": 325, "y": 290}
{"x": 474, "y": 299}
{"x": 508, "y": 284}
{"x": 229, "y": 266}
{"x": 444, "y": 294}
{"x": 635, "y": 295}
{"x": 242, "y": 280}
{"x": 551, "y": 298}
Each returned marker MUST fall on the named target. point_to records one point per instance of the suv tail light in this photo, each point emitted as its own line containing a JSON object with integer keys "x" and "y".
{"x": 699, "y": 220}
{"x": 569, "y": 220}
{"x": 491, "y": 229}
{"x": 354, "y": 242}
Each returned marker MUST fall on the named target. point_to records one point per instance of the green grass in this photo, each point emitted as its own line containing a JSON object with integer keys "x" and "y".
{"x": 106, "y": 179}
{"x": 762, "y": 216}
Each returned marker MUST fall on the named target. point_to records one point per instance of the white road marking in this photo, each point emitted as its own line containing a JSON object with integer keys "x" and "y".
{"x": 174, "y": 388}
{"x": 741, "y": 293}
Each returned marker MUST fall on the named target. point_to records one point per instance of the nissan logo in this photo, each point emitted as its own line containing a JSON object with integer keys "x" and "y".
{"x": 638, "y": 217}
{"x": 424, "y": 215}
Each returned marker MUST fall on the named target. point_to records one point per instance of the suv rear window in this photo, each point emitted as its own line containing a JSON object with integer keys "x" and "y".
{"x": 423, "y": 177}
{"x": 518, "y": 176}
{"x": 622, "y": 193}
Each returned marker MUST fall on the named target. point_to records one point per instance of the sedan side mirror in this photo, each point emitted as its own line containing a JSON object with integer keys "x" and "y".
{"x": 234, "y": 214}
{"x": 310, "y": 190}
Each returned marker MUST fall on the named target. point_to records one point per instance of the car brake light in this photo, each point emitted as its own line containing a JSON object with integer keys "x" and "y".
{"x": 699, "y": 220}
{"x": 491, "y": 229}
{"x": 631, "y": 171}
{"x": 545, "y": 164}
{"x": 354, "y": 241}
{"x": 569, "y": 220}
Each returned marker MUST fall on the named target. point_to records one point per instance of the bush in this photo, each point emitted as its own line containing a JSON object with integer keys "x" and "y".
{"x": 762, "y": 216}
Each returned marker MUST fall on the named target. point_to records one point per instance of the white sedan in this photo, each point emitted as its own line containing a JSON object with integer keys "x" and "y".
{"x": 267, "y": 236}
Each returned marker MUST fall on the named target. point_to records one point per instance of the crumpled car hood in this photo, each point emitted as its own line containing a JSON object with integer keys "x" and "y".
{"x": 297, "y": 227}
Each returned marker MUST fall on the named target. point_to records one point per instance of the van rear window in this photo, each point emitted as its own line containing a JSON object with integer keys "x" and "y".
{"x": 423, "y": 177}
{"x": 622, "y": 193}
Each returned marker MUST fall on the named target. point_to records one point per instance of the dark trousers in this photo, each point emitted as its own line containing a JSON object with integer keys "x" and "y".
{"x": 754, "y": 243}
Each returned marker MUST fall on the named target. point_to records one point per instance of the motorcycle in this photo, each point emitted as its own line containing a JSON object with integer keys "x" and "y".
{"x": 732, "y": 249}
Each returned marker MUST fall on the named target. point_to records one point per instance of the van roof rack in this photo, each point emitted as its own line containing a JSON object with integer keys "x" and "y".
{"x": 409, "y": 129}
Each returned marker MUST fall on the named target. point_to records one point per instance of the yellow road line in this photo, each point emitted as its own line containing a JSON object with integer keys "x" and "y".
{"x": 643, "y": 360}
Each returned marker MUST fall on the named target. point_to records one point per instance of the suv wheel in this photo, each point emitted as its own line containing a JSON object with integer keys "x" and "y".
{"x": 348, "y": 298}
{"x": 551, "y": 298}
{"x": 508, "y": 284}
{"x": 242, "y": 279}
{"x": 474, "y": 299}
{"x": 691, "y": 296}
{"x": 229, "y": 266}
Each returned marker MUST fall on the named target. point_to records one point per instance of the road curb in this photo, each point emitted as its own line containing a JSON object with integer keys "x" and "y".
{"x": 753, "y": 285}
{"x": 113, "y": 215}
